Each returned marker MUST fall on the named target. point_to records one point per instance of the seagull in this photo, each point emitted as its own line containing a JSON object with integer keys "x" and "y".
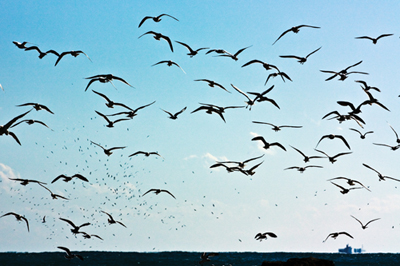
{"x": 335, "y": 235}
{"x": 147, "y": 154}
{"x": 87, "y": 236}
{"x": 109, "y": 103}
{"x": 295, "y": 29}
{"x": 18, "y": 217}
{"x": 110, "y": 123}
{"x": 212, "y": 83}
{"x": 276, "y": 128}
{"x": 343, "y": 73}
{"x": 69, "y": 178}
{"x": 37, "y": 107}
{"x": 397, "y": 136}
{"x": 332, "y": 136}
{"x": 41, "y": 54}
{"x": 301, "y": 60}
{"x": 229, "y": 169}
{"x": 155, "y": 19}
{"x": 243, "y": 163}
{"x": 73, "y": 53}
{"x": 169, "y": 63}
{"x": 220, "y": 108}
{"x": 362, "y": 225}
{"x": 75, "y": 229}
{"x": 302, "y": 169}
{"x": 261, "y": 236}
{"x": 69, "y": 255}
{"x": 158, "y": 191}
{"x": 282, "y": 74}
{"x": 174, "y": 116}
{"x": 374, "y": 40}
{"x": 333, "y": 158}
{"x": 265, "y": 65}
{"x": 268, "y": 145}
{"x": 345, "y": 190}
{"x": 4, "y": 128}
{"x": 250, "y": 102}
{"x": 381, "y": 177}
{"x": 342, "y": 118}
{"x": 108, "y": 152}
{"x": 30, "y": 122}
{"x": 251, "y": 170}
{"x": 191, "y": 51}
{"x": 158, "y": 37}
{"x": 234, "y": 56}
{"x": 20, "y": 45}
{"x": 351, "y": 182}
{"x": 53, "y": 196}
{"x": 111, "y": 219}
{"x": 25, "y": 182}
{"x": 306, "y": 158}
{"x": 354, "y": 110}
{"x": 132, "y": 113}
{"x": 105, "y": 78}
{"x": 366, "y": 87}
{"x": 362, "y": 136}
{"x": 211, "y": 109}
{"x": 373, "y": 100}
{"x": 261, "y": 98}
{"x": 206, "y": 257}
{"x": 393, "y": 148}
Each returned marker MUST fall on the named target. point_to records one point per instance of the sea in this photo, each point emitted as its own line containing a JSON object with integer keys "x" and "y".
{"x": 98, "y": 258}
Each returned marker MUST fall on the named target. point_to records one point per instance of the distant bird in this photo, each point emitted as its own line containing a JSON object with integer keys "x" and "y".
{"x": 87, "y": 236}
{"x": 243, "y": 163}
{"x": 261, "y": 236}
{"x": 301, "y": 60}
{"x": 260, "y": 97}
{"x": 268, "y": 145}
{"x": 212, "y": 84}
{"x": 158, "y": 37}
{"x": 20, "y": 45}
{"x": 374, "y": 40}
{"x": 107, "y": 152}
{"x": 345, "y": 190}
{"x": 69, "y": 178}
{"x": 174, "y": 116}
{"x": 44, "y": 219}
{"x": 41, "y": 54}
{"x": 110, "y": 123}
{"x": 75, "y": 229}
{"x": 302, "y": 169}
{"x": 332, "y": 159}
{"x": 229, "y": 169}
{"x": 111, "y": 219}
{"x": 30, "y": 122}
{"x": 169, "y": 63}
{"x": 220, "y": 108}
{"x": 234, "y": 56}
{"x": 158, "y": 191}
{"x": 397, "y": 136}
{"x": 105, "y": 78}
{"x": 350, "y": 182}
{"x": 211, "y": 109}
{"x": 381, "y": 177}
{"x": 147, "y": 154}
{"x": 282, "y": 74}
{"x": 191, "y": 51}
{"x": 335, "y": 235}
{"x": 109, "y": 103}
{"x": 295, "y": 29}
{"x": 332, "y": 136}
{"x": 53, "y": 196}
{"x": 250, "y": 102}
{"x": 366, "y": 87}
{"x": 343, "y": 73}
{"x": 69, "y": 255}
{"x": 306, "y": 158}
{"x": 206, "y": 257}
{"x": 342, "y": 118}
{"x": 4, "y": 128}
{"x": 155, "y": 19}
{"x": 218, "y": 51}
{"x": 37, "y": 107}
{"x": 73, "y": 53}
{"x": 393, "y": 148}
{"x": 132, "y": 113}
{"x": 373, "y": 100}
{"x": 276, "y": 128}
{"x": 18, "y": 217}
{"x": 265, "y": 65}
{"x": 25, "y": 182}
{"x": 362, "y": 225}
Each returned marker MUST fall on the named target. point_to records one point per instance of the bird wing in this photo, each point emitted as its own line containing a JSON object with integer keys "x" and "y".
{"x": 356, "y": 64}
{"x": 241, "y": 92}
{"x": 345, "y": 233}
{"x": 253, "y": 61}
{"x": 167, "y": 16}
{"x": 115, "y": 148}
{"x": 358, "y": 220}
{"x": 109, "y": 215}
{"x": 163, "y": 190}
{"x": 344, "y": 140}
{"x": 105, "y": 117}
{"x": 26, "y": 220}
{"x": 58, "y": 177}
{"x": 372, "y": 221}
{"x": 143, "y": 20}
{"x": 260, "y": 138}
{"x": 169, "y": 41}
{"x": 91, "y": 81}
{"x": 271, "y": 234}
{"x": 150, "y": 190}
{"x": 277, "y": 144}
{"x": 383, "y": 35}
{"x": 181, "y": 111}
{"x": 339, "y": 186}
{"x": 187, "y": 46}
{"x": 340, "y": 154}
{"x": 313, "y": 52}
{"x": 241, "y": 50}
{"x": 65, "y": 249}
{"x": 12, "y": 121}
{"x": 14, "y": 137}
{"x": 291, "y": 56}
{"x": 120, "y": 223}
{"x": 61, "y": 56}
{"x": 365, "y": 37}
{"x": 102, "y": 95}
{"x": 81, "y": 177}
{"x": 251, "y": 159}
{"x": 122, "y": 80}
{"x": 282, "y": 35}
{"x": 68, "y": 221}
{"x": 371, "y": 168}
{"x": 141, "y": 107}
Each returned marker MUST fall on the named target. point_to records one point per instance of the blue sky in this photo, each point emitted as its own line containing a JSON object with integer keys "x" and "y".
{"x": 213, "y": 210}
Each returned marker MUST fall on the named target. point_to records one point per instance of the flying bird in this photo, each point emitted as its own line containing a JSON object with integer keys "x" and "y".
{"x": 30, "y": 122}
{"x": 158, "y": 191}
{"x": 20, "y": 45}
{"x": 211, "y": 109}
{"x": 300, "y": 59}
{"x": 105, "y": 78}
{"x": 158, "y": 37}
{"x": 25, "y": 182}
{"x": 243, "y": 163}
{"x": 87, "y": 236}
{"x": 261, "y": 236}
{"x": 302, "y": 169}
{"x": 332, "y": 136}
{"x": 265, "y": 65}
{"x": 343, "y": 73}
{"x": 212, "y": 84}
{"x": 155, "y": 19}
{"x": 147, "y": 154}
{"x": 260, "y": 97}
{"x": 18, "y": 217}
{"x": 362, "y": 225}
{"x": 69, "y": 255}
{"x": 111, "y": 219}
{"x": 53, "y": 196}
{"x": 73, "y": 53}
{"x": 366, "y": 87}
{"x": 345, "y": 190}
{"x": 37, "y": 107}
{"x": 169, "y": 63}
{"x": 332, "y": 159}
{"x": 69, "y": 178}
{"x": 249, "y": 101}
{"x": 374, "y": 40}
{"x": 229, "y": 169}
{"x": 191, "y": 51}
{"x": 132, "y": 112}
{"x": 393, "y": 148}
{"x": 336, "y": 234}
{"x": 41, "y": 54}
{"x": 251, "y": 170}
{"x": 276, "y": 128}
{"x": 268, "y": 145}
{"x": 282, "y": 74}
{"x": 110, "y": 123}
{"x": 174, "y": 116}
{"x": 397, "y": 136}
{"x": 381, "y": 177}
{"x": 75, "y": 229}
{"x": 109, "y": 103}
{"x": 108, "y": 152}
{"x": 295, "y": 29}
{"x": 306, "y": 158}
{"x": 206, "y": 257}
{"x": 234, "y": 56}
{"x": 4, "y": 128}
{"x": 373, "y": 100}
{"x": 362, "y": 135}
{"x": 350, "y": 182}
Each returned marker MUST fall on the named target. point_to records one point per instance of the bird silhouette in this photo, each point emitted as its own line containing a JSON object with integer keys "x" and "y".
{"x": 37, "y": 107}
{"x": 159, "y": 36}
{"x": 212, "y": 84}
{"x": 300, "y": 59}
{"x": 111, "y": 219}
{"x": 105, "y": 78}
{"x": 73, "y": 53}
{"x": 191, "y": 51}
{"x": 18, "y": 217}
{"x": 69, "y": 255}
{"x": 336, "y": 234}
{"x": 4, "y": 128}
{"x": 350, "y": 182}
{"x": 261, "y": 236}
{"x": 345, "y": 190}
{"x": 107, "y": 152}
{"x": 343, "y": 73}
{"x": 275, "y": 127}
{"x": 109, "y": 103}
{"x": 381, "y": 177}
{"x": 69, "y": 178}
{"x": 175, "y": 116}
{"x": 243, "y": 163}
{"x": 132, "y": 113}
{"x": 169, "y": 63}
{"x": 332, "y": 136}
{"x": 30, "y": 122}
{"x": 158, "y": 191}
{"x": 301, "y": 169}
{"x": 374, "y": 40}
{"x": 155, "y": 19}
{"x": 268, "y": 145}
{"x": 41, "y": 54}
{"x": 249, "y": 101}
{"x": 25, "y": 182}
{"x": 235, "y": 55}
{"x": 362, "y": 135}
{"x": 295, "y": 29}
{"x": 306, "y": 158}
{"x": 362, "y": 225}
{"x": 111, "y": 123}
{"x": 265, "y": 65}
{"x": 75, "y": 229}
{"x": 147, "y": 154}
{"x": 53, "y": 195}
{"x": 332, "y": 159}
{"x": 283, "y": 75}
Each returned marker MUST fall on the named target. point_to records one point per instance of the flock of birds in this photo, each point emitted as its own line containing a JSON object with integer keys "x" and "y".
{"x": 251, "y": 98}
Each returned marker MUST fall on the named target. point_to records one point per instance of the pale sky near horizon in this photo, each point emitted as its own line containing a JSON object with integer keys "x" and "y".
{"x": 214, "y": 210}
